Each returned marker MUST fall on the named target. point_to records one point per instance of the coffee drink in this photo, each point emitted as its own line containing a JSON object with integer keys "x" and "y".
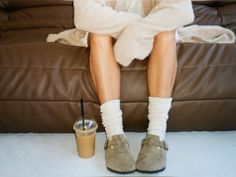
{"x": 85, "y": 135}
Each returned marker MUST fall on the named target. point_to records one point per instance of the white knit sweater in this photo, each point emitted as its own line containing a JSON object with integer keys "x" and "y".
{"x": 135, "y": 23}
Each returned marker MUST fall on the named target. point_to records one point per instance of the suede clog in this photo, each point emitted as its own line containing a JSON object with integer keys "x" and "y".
{"x": 118, "y": 155}
{"x": 152, "y": 156}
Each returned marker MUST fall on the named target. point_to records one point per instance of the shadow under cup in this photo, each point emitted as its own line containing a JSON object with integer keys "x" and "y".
{"x": 85, "y": 136}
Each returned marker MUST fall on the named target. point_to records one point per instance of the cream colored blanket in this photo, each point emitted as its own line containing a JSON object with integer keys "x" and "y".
{"x": 134, "y": 23}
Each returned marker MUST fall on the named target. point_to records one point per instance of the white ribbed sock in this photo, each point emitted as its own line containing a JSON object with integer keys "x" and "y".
{"x": 112, "y": 117}
{"x": 158, "y": 109}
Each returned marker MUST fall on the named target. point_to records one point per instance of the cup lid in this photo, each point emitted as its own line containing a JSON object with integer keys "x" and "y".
{"x": 89, "y": 125}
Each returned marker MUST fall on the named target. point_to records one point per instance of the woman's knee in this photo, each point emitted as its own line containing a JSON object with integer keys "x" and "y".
{"x": 95, "y": 38}
{"x": 167, "y": 36}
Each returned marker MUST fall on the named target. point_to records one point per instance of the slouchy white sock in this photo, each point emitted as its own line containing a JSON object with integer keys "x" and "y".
{"x": 112, "y": 117}
{"x": 158, "y": 109}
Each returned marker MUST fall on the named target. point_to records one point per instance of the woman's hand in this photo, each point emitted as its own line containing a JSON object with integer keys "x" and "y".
{"x": 132, "y": 45}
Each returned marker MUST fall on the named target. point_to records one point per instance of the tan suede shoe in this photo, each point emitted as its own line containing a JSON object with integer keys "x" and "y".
{"x": 152, "y": 156}
{"x": 118, "y": 156}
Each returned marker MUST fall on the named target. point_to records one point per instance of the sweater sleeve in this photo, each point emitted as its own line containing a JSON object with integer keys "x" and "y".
{"x": 95, "y": 16}
{"x": 136, "y": 40}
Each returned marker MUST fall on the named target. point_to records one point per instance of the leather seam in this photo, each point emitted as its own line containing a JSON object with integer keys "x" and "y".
{"x": 207, "y": 66}
{"x": 231, "y": 99}
{"x": 220, "y": 18}
{"x": 23, "y": 67}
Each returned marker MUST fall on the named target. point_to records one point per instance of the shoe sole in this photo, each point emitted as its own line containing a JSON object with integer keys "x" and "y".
{"x": 141, "y": 171}
{"x": 121, "y": 172}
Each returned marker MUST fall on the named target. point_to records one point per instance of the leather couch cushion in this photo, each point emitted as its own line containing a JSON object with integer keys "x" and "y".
{"x": 58, "y": 76}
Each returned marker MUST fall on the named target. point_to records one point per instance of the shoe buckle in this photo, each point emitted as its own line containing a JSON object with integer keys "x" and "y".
{"x": 165, "y": 146}
{"x": 106, "y": 145}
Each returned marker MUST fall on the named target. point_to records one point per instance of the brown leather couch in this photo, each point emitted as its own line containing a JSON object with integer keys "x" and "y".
{"x": 41, "y": 83}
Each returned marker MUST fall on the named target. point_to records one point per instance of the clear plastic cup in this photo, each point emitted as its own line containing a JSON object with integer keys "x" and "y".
{"x": 85, "y": 137}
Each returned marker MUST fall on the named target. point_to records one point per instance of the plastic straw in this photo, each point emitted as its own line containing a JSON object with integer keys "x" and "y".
{"x": 82, "y": 112}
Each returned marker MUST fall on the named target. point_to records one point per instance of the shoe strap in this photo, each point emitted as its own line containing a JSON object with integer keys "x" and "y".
{"x": 161, "y": 144}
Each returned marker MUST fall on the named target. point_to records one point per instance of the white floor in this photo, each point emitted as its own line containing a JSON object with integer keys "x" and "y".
{"x": 202, "y": 154}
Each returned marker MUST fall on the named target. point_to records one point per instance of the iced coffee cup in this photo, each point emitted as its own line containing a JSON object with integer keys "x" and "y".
{"x": 85, "y": 134}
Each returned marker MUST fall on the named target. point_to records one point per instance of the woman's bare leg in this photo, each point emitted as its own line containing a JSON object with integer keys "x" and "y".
{"x": 162, "y": 65}
{"x": 105, "y": 71}
{"x": 161, "y": 73}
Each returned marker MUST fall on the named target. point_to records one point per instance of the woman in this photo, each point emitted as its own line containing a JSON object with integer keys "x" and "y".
{"x": 161, "y": 73}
